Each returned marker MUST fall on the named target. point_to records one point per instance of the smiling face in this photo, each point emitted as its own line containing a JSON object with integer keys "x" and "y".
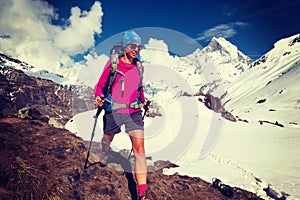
{"x": 132, "y": 50}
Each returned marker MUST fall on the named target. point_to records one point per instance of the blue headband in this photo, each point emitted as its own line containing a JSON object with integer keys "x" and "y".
{"x": 130, "y": 37}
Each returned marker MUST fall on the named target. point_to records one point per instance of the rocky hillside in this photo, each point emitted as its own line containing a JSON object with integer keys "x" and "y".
{"x": 39, "y": 161}
{"x": 37, "y": 98}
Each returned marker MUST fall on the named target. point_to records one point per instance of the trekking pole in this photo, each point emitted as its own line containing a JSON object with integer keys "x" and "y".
{"x": 92, "y": 136}
{"x": 130, "y": 153}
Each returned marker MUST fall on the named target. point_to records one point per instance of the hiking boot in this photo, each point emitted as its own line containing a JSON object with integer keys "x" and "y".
{"x": 105, "y": 149}
{"x": 103, "y": 159}
{"x": 143, "y": 197}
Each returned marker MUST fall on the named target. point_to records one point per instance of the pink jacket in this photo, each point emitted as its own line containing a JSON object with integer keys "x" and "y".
{"x": 131, "y": 83}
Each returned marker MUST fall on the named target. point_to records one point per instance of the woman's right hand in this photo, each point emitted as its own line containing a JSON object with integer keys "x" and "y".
{"x": 99, "y": 101}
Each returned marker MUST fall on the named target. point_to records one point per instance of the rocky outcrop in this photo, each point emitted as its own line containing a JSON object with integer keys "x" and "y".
{"x": 35, "y": 98}
{"x": 215, "y": 104}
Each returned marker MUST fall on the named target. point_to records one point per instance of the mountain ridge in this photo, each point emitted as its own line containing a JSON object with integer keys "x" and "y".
{"x": 230, "y": 76}
{"x": 219, "y": 44}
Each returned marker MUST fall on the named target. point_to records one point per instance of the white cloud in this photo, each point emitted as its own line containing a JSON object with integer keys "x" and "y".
{"x": 90, "y": 74}
{"x": 156, "y": 52}
{"x": 78, "y": 37}
{"x": 27, "y": 32}
{"x": 222, "y": 30}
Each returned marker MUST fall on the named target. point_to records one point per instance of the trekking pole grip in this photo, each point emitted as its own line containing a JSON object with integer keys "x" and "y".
{"x": 148, "y": 103}
{"x": 146, "y": 108}
{"x": 100, "y": 108}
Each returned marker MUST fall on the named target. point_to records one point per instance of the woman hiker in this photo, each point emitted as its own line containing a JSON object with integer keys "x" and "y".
{"x": 125, "y": 92}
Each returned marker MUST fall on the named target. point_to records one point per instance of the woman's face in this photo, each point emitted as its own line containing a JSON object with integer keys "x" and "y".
{"x": 133, "y": 49}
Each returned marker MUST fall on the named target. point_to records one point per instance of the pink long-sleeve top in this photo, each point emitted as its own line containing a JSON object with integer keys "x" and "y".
{"x": 131, "y": 84}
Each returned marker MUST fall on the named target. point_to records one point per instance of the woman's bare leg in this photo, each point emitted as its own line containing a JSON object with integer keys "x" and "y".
{"x": 137, "y": 139}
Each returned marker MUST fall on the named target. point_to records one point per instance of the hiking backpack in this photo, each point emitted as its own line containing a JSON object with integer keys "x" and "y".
{"x": 115, "y": 53}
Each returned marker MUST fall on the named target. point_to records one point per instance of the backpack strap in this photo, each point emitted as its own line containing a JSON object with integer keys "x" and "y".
{"x": 140, "y": 70}
{"x": 115, "y": 53}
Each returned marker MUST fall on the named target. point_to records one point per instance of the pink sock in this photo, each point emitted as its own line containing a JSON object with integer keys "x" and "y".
{"x": 141, "y": 189}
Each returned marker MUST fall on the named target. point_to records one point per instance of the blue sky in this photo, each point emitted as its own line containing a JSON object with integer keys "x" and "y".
{"x": 252, "y": 25}
{"x": 62, "y": 29}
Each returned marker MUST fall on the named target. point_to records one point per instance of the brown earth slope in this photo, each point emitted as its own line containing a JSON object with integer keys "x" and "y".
{"x": 39, "y": 161}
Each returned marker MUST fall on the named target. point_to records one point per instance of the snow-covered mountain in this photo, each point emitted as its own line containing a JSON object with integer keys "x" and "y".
{"x": 64, "y": 76}
{"x": 244, "y": 85}
{"x": 229, "y": 61}
{"x": 218, "y": 63}
{"x": 272, "y": 80}
{"x": 9, "y": 61}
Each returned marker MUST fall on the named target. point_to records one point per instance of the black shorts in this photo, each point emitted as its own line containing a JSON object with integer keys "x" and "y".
{"x": 112, "y": 122}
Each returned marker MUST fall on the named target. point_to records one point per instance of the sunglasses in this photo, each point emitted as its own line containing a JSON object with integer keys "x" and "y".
{"x": 134, "y": 46}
